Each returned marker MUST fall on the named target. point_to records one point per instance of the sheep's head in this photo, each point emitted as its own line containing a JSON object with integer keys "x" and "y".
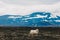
{"x": 37, "y": 30}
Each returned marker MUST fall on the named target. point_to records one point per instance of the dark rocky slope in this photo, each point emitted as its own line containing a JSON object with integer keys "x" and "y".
{"x": 21, "y": 33}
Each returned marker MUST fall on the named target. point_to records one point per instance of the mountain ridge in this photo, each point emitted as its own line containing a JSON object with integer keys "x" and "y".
{"x": 36, "y": 19}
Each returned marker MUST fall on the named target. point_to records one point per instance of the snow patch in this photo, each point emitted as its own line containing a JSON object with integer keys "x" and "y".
{"x": 57, "y": 20}
{"x": 37, "y": 16}
{"x": 14, "y": 17}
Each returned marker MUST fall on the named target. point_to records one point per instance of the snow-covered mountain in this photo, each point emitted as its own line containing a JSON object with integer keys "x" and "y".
{"x": 36, "y": 19}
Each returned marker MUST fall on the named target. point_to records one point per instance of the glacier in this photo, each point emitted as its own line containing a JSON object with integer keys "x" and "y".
{"x": 35, "y": 19}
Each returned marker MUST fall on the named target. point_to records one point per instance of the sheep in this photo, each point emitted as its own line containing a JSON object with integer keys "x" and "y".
{"x": 33, "y": 33}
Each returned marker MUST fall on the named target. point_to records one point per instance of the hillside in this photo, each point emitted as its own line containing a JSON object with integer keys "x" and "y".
{"x": 21, "y": 33}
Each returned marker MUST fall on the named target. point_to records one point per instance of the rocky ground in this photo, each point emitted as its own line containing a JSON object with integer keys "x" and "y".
{"x": 19, "y": 33}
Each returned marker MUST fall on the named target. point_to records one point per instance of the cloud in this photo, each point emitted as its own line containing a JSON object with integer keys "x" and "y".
{"x": 13, "y": 9}
{"x": 27, "y": 2}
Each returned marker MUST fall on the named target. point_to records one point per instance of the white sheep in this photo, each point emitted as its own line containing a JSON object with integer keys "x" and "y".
{"x": 33, "y": 33}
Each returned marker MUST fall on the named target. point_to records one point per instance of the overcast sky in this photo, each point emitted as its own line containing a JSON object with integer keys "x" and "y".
{"x": 24, "y": 7}
{"x": 30, "y": 1}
